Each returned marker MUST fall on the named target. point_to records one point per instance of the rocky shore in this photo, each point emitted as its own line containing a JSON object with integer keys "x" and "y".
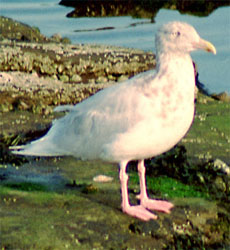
{"x": 74, "y": 63}
{"x": 56, "y": 72}
{"x": 56, "y": 200}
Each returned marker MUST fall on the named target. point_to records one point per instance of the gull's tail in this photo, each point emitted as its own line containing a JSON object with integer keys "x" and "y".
{"x": 40, "y": 147}
{"x": 45, "y": 146}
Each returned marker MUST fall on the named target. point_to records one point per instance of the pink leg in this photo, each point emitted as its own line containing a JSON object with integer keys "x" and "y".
{"x": 136, "y": 211}
{"x": 158, "y": 205}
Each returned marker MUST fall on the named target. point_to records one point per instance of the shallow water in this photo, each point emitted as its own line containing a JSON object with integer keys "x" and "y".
{"x": 51, "y": 18}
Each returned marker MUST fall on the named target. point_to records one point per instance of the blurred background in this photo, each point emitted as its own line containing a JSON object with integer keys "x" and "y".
{"x": 133, "y": 23}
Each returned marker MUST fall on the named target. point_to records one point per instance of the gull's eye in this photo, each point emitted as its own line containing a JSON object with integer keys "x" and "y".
{"x": 176, "y": 33}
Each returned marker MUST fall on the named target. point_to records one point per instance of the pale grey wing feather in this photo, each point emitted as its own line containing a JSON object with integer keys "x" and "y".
{"x": 90, "y": 124}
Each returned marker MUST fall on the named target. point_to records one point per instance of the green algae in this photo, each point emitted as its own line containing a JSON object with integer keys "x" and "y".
{"x": 209, "y": 136}
{"x": 167, "y": 187}
{"x": 27, "y": 186}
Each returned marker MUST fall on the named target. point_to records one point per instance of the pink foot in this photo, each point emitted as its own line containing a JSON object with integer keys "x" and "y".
{"x": 139, "y": 212}
{"x": 158, "y": 205}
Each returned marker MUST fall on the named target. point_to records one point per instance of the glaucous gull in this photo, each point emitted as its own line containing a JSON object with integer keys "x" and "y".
{"x": 140, "y": 118}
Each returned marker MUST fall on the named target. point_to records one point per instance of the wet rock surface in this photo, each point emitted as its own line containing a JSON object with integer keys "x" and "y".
{"x": 57, "y": 201}
{"x": 41, "y": 196}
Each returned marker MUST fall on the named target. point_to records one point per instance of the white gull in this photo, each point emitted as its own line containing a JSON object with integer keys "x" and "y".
{"x": 140, "y": 118}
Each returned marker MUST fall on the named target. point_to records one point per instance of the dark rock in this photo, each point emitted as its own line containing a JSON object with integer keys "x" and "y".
{"x": 140, "y": 8}
{"x": 224, "y": 97}
{"x": 144, "y": 228}
{"x": 7, "y": 157}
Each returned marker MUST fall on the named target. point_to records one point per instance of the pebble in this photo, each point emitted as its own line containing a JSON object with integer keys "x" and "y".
{"x": 102, "y": 178}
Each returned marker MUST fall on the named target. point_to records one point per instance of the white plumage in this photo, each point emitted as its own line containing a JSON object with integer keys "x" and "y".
{"x": 140, "y": 118}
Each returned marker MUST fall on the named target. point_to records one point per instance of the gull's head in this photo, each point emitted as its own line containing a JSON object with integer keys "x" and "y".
{"x": 178, "y": 37}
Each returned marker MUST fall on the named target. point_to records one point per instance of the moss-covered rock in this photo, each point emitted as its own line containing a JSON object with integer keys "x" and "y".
{"x": 17, "y": 31}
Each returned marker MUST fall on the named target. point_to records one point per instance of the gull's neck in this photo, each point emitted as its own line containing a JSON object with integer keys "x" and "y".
{"x": 178, "y": 68}
{"x": 168, "y": 60}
